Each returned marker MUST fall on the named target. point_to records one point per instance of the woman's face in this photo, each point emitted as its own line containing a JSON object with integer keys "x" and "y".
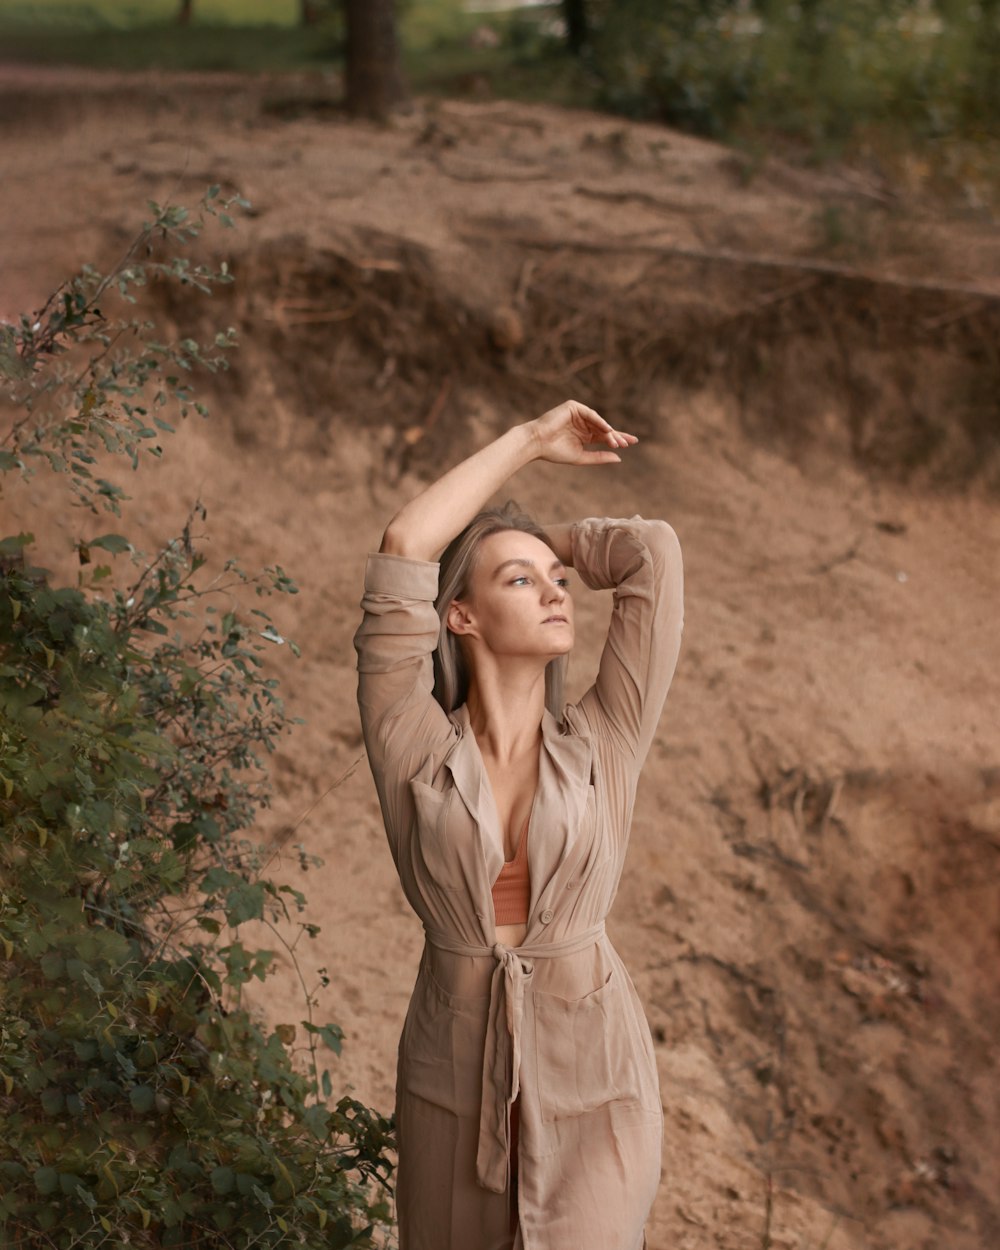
{"x": 518, "y": 603}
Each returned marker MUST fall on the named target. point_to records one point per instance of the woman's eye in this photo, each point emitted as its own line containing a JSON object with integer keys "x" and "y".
{"x": 517, "y": 580}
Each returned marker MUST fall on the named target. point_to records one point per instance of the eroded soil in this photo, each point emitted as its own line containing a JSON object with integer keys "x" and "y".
{"x": 810, "y": 910}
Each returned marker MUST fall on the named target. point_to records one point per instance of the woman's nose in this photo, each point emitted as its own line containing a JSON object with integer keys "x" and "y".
{"x": 556, "y": 593}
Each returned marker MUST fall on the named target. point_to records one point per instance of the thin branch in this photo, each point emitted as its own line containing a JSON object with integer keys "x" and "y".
{"x": 669, "y": 207}
{"x": 790, "y": 264}
{"x": 311, "y": 808}
{"x": 765, "y": 1241}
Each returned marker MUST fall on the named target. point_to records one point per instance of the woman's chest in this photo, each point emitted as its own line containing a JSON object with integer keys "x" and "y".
{"x": 513, "y": 786}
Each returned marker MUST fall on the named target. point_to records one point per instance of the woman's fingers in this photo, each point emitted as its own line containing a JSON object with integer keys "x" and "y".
{"x": 572, "y": 431}
{"x": 618, "y": 438}
{"x": 603, "y": 432}
{"x": 606, "y": 433}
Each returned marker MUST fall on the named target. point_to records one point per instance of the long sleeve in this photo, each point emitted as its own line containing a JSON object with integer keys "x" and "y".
{"x": 641, "y": 561}
{"x": 403, "y": 724}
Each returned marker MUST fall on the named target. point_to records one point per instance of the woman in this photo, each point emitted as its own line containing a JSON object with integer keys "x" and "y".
{"x": 528, "y": 1110}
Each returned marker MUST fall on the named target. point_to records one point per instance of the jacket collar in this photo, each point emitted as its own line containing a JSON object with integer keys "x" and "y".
{"x": 564, "y": 771}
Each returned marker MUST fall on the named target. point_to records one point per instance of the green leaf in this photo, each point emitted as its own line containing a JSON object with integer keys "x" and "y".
{"x": 93, "y": 982}
{"x": 223, "y": 1179}
{"x": 246, "y": 902}
{"x": 46, "y": 1180}
{"x": 115, "y": 543}
{"x": 142, "y": 1098}
{"x": 15, "y": 544}
{"x": 222, "y": 1217}
{"x": 262, "y": 961}
{"x": 218, "y": 879}
{"x": 52, "y": 1100}
{"x": 317, "y": 1120}
{"x": 331, "y": 1034}
{"x": 86, "y": 1197}
{"x": 53, "y": 966}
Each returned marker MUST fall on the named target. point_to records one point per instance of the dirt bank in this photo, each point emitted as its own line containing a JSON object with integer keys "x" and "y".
{"x": 810, "y": 909}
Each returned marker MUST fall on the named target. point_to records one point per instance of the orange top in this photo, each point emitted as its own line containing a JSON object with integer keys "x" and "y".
{"x": 512, "y": 889}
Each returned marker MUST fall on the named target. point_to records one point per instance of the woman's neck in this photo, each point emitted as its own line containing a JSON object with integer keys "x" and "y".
{"x": 505, "y": 712}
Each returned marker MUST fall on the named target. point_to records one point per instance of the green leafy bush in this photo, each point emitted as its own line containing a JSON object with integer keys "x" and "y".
{"x": 810, "y": 69}
{"x": 141, "y": 1103}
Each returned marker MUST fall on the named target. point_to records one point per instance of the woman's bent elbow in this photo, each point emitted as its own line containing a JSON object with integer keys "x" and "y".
{"x": 661, "y": 535}
{"x": 392, "y": 542}
{"x": 396, "y": 542}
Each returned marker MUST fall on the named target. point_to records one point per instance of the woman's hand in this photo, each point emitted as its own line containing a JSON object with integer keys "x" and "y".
{"x": 564, "y": 434}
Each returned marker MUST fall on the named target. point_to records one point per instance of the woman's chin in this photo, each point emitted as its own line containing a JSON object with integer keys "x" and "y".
{"x": 559, "y": 648}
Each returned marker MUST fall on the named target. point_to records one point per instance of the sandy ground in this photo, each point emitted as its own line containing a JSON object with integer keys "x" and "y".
{"x": 810, "y": 908}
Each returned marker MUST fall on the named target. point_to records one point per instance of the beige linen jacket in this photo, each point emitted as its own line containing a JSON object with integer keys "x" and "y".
{"x": 556, "y": 1020}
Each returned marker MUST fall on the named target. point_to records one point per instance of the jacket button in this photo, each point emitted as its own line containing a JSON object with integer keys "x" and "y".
{"x": 546, "y": 915}
{"x": 571, "y": 885}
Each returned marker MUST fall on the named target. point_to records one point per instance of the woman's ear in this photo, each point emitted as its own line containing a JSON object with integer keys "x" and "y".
{"x": 458, "y": 620}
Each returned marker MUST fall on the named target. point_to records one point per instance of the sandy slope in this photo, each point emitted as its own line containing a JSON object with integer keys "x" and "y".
{"x": 810, "y": 908}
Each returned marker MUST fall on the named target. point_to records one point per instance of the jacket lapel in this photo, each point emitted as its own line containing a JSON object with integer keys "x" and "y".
{"x": 465, "y": 764}
{"x": 564, "y": 772}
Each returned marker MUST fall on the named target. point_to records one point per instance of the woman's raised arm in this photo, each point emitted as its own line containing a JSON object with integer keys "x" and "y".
{"x": 567, "y": 434}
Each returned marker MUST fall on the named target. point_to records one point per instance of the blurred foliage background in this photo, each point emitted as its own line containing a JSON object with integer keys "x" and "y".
{"x": 816, "y": 72}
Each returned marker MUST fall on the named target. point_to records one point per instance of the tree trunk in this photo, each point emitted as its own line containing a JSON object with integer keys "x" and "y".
{"x": 575, "y": 13}
{"x": 184, "y": 14}
{"x": 374, "y": 78}
{"x": 308, "y": 12}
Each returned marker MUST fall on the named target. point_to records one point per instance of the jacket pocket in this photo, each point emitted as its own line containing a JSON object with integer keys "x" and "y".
{"x": 583, "y": 1050}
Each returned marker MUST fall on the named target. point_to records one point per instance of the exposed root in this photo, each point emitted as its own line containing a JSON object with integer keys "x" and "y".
{"x": 866, "y": 366}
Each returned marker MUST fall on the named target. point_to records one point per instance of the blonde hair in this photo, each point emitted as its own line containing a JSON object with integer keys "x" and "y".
{"x": 451, "y": 671}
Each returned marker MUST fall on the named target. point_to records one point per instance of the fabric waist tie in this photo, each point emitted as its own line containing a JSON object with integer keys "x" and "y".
{"x": 502, "y": 1053}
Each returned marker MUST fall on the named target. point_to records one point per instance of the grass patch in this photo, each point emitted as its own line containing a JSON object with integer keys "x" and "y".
{"x": 250, "y": 35}
{"x": 239, "y": 35}
{"x": 250, "y": 50}
{"x": 129, "y": 14}
{"x": 440, "y": 55}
